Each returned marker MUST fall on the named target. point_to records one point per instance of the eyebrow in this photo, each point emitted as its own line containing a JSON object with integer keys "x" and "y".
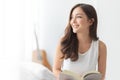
{"x": 79, "y": 14}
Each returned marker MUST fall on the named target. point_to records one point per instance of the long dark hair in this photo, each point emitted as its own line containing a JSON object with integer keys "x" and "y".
{"x": 69, "y": 42}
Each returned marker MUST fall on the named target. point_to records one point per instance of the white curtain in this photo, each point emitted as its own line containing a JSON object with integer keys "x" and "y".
{"x": 16, "y": 29}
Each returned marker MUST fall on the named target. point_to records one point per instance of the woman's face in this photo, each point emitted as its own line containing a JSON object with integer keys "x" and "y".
{"x": 79, "y": 21}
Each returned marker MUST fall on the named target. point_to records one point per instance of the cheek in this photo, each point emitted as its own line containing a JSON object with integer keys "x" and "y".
{"x": 81, "y": 21}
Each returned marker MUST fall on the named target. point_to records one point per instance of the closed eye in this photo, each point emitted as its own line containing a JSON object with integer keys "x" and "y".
{"x": 79, "y": 16}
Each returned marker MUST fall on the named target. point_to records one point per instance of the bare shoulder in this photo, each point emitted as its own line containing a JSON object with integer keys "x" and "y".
{"x": 60, "y": 41}
{"x": 102, "y": 47}
{"x": 58, "y": 48}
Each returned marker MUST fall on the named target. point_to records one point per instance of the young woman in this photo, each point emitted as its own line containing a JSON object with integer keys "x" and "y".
{"x": 80, "y": 50}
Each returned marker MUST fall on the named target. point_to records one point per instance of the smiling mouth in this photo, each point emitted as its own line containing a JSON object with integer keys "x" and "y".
{"x": 75, "y": 26}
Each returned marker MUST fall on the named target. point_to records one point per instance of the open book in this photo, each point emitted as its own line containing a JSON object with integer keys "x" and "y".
{"x": 69, "y": 75}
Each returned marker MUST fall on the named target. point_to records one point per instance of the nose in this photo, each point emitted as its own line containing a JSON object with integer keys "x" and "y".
{"x": 73, "y": 20}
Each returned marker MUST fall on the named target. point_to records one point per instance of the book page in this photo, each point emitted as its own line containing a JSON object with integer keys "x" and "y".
{"x": 63, "y": 76}
{"x": 69, "y": 75}
{"x": 92, "y": 76}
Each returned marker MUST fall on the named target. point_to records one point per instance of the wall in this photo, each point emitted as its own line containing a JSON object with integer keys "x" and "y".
{"x": 109, "y": 31}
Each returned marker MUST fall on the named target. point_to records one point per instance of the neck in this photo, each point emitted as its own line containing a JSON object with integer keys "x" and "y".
{"x": 84, "y": 38}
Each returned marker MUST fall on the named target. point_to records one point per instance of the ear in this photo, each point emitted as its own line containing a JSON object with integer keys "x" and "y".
{"x": 91, "y": 21}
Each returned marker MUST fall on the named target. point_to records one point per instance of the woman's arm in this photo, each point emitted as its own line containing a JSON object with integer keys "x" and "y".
{"x": 57, "y": 61}
{"x": 102, "y": 59}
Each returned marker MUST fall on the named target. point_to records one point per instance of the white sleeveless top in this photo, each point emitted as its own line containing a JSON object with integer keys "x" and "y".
{"x": 86, "y": 62}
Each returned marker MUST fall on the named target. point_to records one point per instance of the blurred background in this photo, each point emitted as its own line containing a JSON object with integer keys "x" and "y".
{"x": 19, "y": 18}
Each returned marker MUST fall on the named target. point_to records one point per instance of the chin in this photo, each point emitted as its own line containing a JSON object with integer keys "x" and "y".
{"x": 74, "y": 31}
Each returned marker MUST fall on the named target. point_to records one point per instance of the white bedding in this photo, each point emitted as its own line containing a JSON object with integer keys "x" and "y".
{"x": 35, "y": 71}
